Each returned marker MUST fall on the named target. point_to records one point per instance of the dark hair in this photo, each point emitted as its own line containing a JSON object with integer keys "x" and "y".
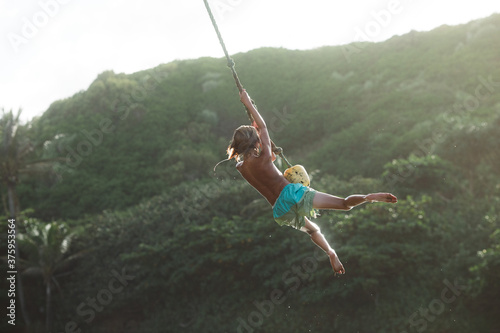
{"x": 245, "y": 139}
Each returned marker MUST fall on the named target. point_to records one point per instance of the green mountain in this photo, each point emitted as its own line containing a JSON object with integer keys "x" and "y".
{"x": 344, "y": 110}
{"x": 417, "y": 115}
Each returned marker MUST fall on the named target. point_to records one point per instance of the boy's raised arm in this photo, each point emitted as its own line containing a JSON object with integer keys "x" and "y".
{"x": 257, "y": 118}
{"x": 258, "y": 123}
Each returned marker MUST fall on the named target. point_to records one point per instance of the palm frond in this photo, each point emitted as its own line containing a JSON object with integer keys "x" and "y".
{"x": 63, "y": 264}
{"x": 33, "y": 271}
{"x": 40, "y": 166}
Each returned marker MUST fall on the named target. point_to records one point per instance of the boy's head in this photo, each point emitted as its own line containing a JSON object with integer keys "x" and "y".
{"x": 245, "y": 139}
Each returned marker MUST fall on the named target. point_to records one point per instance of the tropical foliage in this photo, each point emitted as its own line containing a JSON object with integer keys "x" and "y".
{"x": 177, "y": 248}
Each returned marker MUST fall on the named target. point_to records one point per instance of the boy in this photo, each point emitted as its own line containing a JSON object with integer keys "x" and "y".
{"x": 293, "y": 204}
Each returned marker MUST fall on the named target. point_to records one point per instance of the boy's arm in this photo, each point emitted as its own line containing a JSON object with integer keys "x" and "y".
{"x": 258, "y": 121}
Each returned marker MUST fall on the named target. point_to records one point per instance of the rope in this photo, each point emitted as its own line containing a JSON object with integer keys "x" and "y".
{"x": 230, "y": 63}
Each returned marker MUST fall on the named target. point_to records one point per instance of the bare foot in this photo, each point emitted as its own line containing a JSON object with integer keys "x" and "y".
{"x": 337, "y": 266}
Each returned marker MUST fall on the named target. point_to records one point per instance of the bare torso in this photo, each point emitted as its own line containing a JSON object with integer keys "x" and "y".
{"x": 263, "y": 175}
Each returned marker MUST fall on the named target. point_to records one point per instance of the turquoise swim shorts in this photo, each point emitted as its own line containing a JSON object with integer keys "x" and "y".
{"x": 294, "y": 203}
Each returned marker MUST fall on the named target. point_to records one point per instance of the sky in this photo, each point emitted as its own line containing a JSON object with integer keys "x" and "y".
{"x": 52, "y": 49}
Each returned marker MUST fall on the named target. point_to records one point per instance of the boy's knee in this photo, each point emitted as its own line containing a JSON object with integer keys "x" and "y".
{"x": 312, "y": 229}
{"x": 312, "y": 232}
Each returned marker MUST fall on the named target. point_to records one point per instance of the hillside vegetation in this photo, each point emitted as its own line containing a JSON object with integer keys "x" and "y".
{"x": 416, "y": 115}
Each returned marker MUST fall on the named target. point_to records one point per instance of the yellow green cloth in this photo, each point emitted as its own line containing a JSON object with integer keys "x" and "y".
{"x": 293, "y": 204}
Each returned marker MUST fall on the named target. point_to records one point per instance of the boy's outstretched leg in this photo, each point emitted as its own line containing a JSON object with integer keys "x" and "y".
{"x": 317, "y": 237}
{"x": 328, "y": 201}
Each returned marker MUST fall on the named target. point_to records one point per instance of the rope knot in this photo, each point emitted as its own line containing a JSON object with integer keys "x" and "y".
{"x": 230, "y": 63}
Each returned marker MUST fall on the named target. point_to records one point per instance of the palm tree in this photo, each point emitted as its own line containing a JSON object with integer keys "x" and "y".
{"x": 16, "y": 157}
{"x": 45, "y": 249}
{"x": 15, "y": 151}
{"x": 12, "y": 154}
